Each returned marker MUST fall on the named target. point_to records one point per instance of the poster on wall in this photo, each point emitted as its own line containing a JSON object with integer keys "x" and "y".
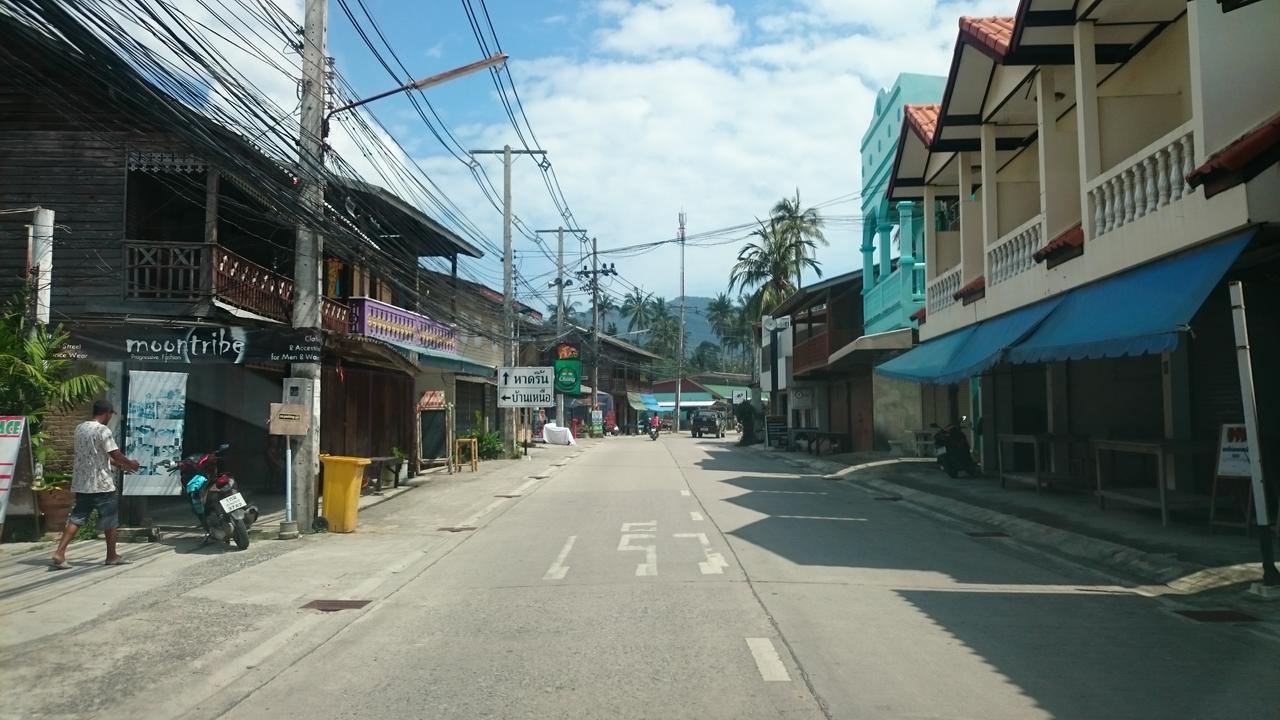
{"x": 1233, "y": 452}
{"x": 153, "y": 430}
{"x": 11, "y": 431}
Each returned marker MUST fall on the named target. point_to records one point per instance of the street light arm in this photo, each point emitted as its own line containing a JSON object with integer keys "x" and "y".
{"x": 426, "y": 82}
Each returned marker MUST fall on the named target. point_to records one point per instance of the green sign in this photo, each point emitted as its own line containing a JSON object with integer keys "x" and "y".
{"x": 568, "y": 376}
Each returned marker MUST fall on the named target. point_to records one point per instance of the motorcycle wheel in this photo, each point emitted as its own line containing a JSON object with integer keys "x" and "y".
{"x": 240, "y": 533}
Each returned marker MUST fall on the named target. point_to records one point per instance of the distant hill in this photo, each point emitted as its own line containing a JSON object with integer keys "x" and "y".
{"x": 695, "y": 321}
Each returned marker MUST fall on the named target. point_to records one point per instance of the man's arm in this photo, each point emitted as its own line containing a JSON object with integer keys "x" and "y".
{"x": 119, "y": 460}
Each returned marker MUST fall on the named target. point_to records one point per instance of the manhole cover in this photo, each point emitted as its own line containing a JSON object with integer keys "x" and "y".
{"x": 1217, "y": 616}
{"x": 460, "y": 528}
{"x": 889, "y": 498}
{"x": 987, "y": 534}
{"x": 335, "y": 605}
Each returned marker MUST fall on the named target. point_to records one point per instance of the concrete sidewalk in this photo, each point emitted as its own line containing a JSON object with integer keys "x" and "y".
{"x": 1185, "y": 557}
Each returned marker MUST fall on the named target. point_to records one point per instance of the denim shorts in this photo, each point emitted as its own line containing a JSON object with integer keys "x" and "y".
{"x": 107, "y": 505}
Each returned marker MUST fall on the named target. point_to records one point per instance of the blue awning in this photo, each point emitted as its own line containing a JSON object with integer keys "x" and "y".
{"x": 1138, "y": 312}
{"x": 967, "y": 352}
{"x": 929, "y": 359}
{"x": 650, "y": 402}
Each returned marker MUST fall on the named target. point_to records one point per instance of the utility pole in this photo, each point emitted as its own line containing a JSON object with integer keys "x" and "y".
{"x": 680, "y": 339}
{"x": 306, "y": 260}
{"x": 508, "y": 284}
{"x": 559, "y": 284}
{"x": 594, "y": 273}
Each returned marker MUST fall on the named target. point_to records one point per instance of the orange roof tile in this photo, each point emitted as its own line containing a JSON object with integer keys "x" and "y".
{"x": 1071, "y": 238}
{"x": 993, "y": 32}
{"x": 1242, "y": 160}
{"x": 923, "y": 120}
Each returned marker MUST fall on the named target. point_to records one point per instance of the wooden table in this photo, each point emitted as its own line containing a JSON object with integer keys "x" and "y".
{"x": 474, "y": 445}
{"x": 1035, "y": 477}
{"x": 1160, "y": 450}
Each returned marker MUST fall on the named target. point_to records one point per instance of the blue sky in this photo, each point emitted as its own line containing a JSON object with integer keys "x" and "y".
{"x": 650, "y": 106}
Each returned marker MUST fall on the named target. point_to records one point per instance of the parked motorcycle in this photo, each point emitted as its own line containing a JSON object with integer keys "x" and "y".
{"x": 217, "y": 503}
{"x": 951, "y": 447}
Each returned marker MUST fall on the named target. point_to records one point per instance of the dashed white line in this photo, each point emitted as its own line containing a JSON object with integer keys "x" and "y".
{"x": 685, "y": 493}
{"x": 558, "y": 569}
{"x": 649, "y": 567}
{"x": 695, "y": 516}
{"x": 767, "y": 660}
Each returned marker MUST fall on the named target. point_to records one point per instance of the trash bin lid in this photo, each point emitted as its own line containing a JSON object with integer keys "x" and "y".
{"x": 344, "y": 460}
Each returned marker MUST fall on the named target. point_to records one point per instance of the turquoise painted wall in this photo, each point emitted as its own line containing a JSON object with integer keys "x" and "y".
{"x": 888, "y": 297}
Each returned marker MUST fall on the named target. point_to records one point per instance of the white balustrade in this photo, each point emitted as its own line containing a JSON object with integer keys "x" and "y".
{"x": 1146, "y": 182}
{"x": 1014, "y": 253}
{"x": 942, "y": 290}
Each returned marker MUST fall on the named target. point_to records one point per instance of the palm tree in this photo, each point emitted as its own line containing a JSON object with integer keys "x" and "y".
{"x": 635, "y": 308}
{"x": 797, "y": 224}
{"x": 571, "y": 313}
{"x": 766, "y": 263}
{"x": 719, "y": 315}
{"x": 605, "y": 303}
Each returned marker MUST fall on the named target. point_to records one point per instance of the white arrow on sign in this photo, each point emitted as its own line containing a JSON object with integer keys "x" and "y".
{"x": 525, "y": 377}
{"x": 525, "y": 397}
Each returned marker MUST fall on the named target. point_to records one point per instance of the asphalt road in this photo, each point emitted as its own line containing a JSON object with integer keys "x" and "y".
{"x": 689, "y": 579}
{"x": 682, "y": 578}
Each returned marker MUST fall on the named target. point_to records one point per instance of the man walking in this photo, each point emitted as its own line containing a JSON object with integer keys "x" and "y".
{"x": 93, "y": 482}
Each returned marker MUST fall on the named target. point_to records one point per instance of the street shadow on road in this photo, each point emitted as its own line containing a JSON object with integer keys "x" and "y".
{"x": 1098, "y": 655}
{"x": 732, "y": 459}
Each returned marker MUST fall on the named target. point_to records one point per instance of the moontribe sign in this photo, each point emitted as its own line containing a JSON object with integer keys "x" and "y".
{"x": 189, "y": 345}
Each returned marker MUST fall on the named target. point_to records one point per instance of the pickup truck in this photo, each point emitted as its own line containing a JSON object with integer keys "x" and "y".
{"x": 708, "y": 422}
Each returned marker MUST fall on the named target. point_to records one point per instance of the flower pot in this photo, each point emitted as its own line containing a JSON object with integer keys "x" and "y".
{"x": 55, "y": 505}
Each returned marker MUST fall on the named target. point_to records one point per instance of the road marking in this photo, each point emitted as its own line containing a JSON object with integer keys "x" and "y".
{"x": 767, "y": 660}
{"x": 684, "y": 493}
{"x": 715, "y": 562}
{"x": 695, "y": 516}
{"x": 474, "y": 520}
{"x": 649, "y": 567}
{"x": 650, "y": 526}
{"x": 558, "y": 569}
{"x": 820, "y": 517}
{"x": 789, "y": 492}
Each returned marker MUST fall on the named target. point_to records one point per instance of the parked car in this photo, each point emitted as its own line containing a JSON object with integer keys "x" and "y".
{"x": 708, "y": 422}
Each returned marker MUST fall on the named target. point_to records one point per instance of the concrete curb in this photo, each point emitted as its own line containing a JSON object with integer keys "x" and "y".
{"x": 1179, "y": 576}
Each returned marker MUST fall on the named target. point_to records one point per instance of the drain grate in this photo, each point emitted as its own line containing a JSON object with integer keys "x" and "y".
{"x": 987, "y": 534}
{"x": 889, "y": 498}
{"x": 335, "y": 605}
{"x": 458, "y": 528}
{"x": 1217, "y": 616}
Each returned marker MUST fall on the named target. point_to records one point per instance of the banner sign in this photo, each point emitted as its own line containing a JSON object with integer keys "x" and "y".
{"x": 192, "y": 345}
{"x": 11, "y": 428}
{"x": 568, "y": 370}
{"x": 1233, "y": 452}
{"x": 154, "y": 429}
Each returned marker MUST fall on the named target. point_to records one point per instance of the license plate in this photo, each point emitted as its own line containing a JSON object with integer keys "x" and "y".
{"x": 937, "y": 452}
{"x": 233, "y": 502}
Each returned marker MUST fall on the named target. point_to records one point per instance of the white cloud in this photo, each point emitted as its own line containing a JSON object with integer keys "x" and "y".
{"x": 651, "y": 27}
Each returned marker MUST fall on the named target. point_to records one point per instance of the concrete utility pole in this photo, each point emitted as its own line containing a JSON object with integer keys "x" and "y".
{"x": 680, "y": 339}
{"x": 508, "y": 284}
{"x": 595, "y": 327}
{"x": 307, "y": 258}
{"x": 559, "y": 284}
{"x": 41, "y": 248}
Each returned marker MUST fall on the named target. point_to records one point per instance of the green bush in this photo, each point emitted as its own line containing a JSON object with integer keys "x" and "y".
{"x": 488, "y": 444}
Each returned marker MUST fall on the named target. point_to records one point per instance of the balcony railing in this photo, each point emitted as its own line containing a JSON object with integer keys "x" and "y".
{"x": 1147, "y": 181}
{"x": 890, "y": 302}
{"x": 1013, "y": 253}
{"x": 248, "y": 285}
{"x": 334, "y": 316}
{"x": 383, "y": 321}
{"x": 812, "y": 353}
{"x": 942, "y": 290}
{"x": 170, "y": 272}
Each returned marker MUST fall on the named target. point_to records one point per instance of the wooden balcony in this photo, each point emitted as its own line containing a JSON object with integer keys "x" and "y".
{"x": 812, "y": 354}
{"x": 196, "y": 272}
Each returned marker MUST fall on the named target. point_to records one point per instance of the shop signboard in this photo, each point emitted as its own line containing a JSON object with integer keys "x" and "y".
{"x": 187, "y": 345}
{"x": 568, "y": 370}
{"x": 1233, "y": 452}
{"x": 525, "y": 387}
{"x": 597, "y": 422}
{"x": 11, "y": 432}
{"x": 154, "y": 428}
{"x": 739, "y": 397}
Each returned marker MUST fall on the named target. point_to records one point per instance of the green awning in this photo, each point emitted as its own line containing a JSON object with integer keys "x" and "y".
{"x": 634, "y": 400}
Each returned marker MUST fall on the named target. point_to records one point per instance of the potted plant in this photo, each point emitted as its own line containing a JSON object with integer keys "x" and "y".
{"x": 35, "y": 379}
{"x": 54, "y": 499}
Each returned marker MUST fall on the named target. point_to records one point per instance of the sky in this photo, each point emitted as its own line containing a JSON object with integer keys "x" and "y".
{"x": 649, "y": 107}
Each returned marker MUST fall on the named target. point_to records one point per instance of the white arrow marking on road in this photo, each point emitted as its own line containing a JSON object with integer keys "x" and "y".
{"x": 767, "y": 660}
{"x": 695, "y": 516}
{"x": 558, "y": 569}
{"x": 649, "y": 567}
{"x": 715, "y": 562}
{"x": 684, "y": 493}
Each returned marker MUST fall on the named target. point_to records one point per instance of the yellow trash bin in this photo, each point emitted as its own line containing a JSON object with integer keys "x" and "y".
{"x": 342, "y": 480}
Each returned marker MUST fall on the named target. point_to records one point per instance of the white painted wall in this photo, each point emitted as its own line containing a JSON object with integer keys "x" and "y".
{"x": 946, "y": 255}
{"x": 1236, "y": 69}
{"x": 1147, "y": 97}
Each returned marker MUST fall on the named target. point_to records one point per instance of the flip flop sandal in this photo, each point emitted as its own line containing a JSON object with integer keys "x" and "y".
{"x": 59, "y": 566}
{"x": 121, "y": 561}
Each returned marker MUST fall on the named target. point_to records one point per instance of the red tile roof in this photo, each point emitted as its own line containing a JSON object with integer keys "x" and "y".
{"x": 1071, "y": 238}
{"x": 923, "y": 120}
{"x": 1240, "y": 161}
{"x": 994, "y": 33}
{"x": 919, "y": 315}
{"x": 973, "y": 289}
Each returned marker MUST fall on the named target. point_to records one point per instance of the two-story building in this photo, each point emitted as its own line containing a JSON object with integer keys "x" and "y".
{"x": 1093, "y": 177}
{"x": 625, "y": 372}
{"x": 172, "y": 268}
